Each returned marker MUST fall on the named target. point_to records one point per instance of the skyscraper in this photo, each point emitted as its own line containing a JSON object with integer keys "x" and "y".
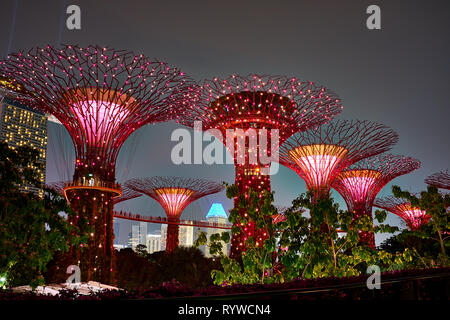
{"x": 20, "y": 126}
{"x": 116, "y": 231}
{"x": 186, "y": 236}
{"x": 153, "y": 243}
{"x": 216, "y": 214}
{"x": 138, "y": 235}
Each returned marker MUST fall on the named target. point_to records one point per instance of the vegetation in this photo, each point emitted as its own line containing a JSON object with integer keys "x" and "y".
{"x": 31, "y": 229}
{"x": 324, "y": 244}
{"x": 327, "y": 243}
{"x": 430, "y": 242}
{"x": 257, "y": 261}
{"x": 436, "y": 206}
{"x": 141, "y": 270}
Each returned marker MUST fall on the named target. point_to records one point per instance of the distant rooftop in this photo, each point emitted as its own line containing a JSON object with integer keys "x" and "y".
{"x": 216, "y": 211}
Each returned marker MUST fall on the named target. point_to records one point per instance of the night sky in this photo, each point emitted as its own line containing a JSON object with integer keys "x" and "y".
{"x": 398, "y": 75}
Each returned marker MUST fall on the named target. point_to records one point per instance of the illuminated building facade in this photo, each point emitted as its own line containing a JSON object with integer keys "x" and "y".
{"x": 153, "y": 243}
{"x": 23, "y": 126}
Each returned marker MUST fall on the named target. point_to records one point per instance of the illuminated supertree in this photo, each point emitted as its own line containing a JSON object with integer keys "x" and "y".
{"x": 174, "y": 194}
{"x": 414, "y": 217}
{"x": 439, "y": 180}
{"x": 360, "y": 183}
{"x": 318, "y": 156}
{"x": 231, "y": 107}
{"x": 101, "y": 96}
{"x": 127, "y": 194}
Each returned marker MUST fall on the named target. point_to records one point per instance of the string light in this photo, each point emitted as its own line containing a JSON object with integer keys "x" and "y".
{"x": 258, "y": 102}
{"x": 319, "y": 155}
{"x": 101, "y": 96}
{"x": 414, "y": 217}
{"x": 174, "y": 194}
{"x": 360, "y": 183}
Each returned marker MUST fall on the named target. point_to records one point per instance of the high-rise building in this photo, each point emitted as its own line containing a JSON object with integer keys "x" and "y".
{"x": 143, "y": 233}
{"x": 116, "y": 231}
{"x": 133, "y": 236}
{"x": 20, "y": 126}
{"x": 153, "y": 243}
{"x": 163, "y": 236}
{"x": 186, "y": 236}
{"x": 138, "y": 235}
{"x": 216, "y": 214}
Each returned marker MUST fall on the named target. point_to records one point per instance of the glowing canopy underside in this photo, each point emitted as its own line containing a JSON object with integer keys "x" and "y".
{"x": 414, "y": 217}
{"x": 317, "y": 163}
{"x": 174, "y": 200}
{"x": 359, "y": 183}
{"x": 99, "y": 113}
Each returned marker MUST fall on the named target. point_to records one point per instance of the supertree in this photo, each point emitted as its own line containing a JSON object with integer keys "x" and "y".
{"x": 414, "y": 217}
{"x": 267, "y": 110}
{"x": 101, "y": 96}
{"x": 174, "y": 194}
{"x": 127, "y": 194}
{"x": 439, "y": 180}
{"x": 360, "y": 183}
{"x": 318, "y": 156}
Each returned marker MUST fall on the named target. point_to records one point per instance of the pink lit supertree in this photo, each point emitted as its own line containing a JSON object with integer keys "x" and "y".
{"x": 174, "y": 194}
{"x": 439, "y": 180}
{"x": 258, "y": 107}
{"x": 101, "y": 96}
{"x": 318, "y": 156}
{"x": 360, "y": 183}
{"x": 414, "y": 217}
{"x": 127, "y": 194}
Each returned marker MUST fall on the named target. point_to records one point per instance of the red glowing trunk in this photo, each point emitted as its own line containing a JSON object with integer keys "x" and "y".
{"x": 248, "y": 177}
{"x": 172, "y": 239}
{"x": 92, "y": 202}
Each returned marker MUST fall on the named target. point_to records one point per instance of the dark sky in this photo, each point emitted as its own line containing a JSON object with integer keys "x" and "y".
{"x": 398, "y": 75}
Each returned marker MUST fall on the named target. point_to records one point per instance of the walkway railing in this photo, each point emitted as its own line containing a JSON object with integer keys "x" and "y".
{"x": 150, "y": 219}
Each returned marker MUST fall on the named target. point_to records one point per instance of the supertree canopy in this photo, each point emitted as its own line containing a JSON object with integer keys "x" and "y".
{"x": 318, "y": 156}
{"x": 414, "y": 217}
{"x": 360, "y": 183}
{"x": 263, "y": 103}
{"x": 101, "y": 96}
{"x": 439, "y": 180}
{"x": 174, "y": 194}
{"x": 127, "y": 194}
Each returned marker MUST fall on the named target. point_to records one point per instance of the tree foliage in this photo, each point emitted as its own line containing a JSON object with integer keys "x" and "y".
{"x": 325, "y": 243}
{"x": 436, "y": 205}
{"x": 31, "y": 229}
